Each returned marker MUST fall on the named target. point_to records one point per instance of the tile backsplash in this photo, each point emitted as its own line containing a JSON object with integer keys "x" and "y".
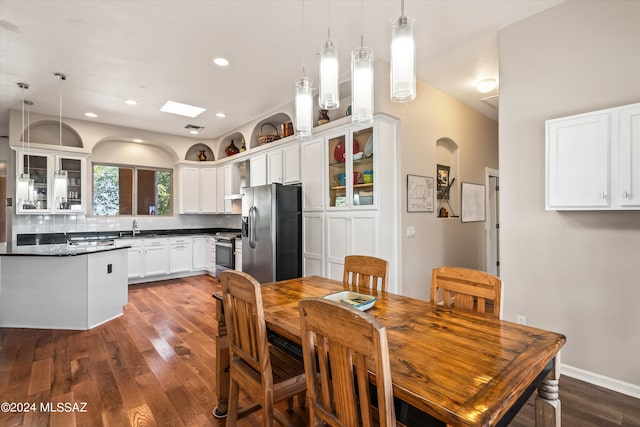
{"x": 24, "y": 224}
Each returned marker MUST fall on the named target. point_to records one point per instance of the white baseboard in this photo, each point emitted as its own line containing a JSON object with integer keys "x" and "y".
{"x": 600, "y": 380}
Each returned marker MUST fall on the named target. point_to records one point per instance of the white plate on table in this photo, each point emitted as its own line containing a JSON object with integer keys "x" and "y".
{"x": 360, "y": 301}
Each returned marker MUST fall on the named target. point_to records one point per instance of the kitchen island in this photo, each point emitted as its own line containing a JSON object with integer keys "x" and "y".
{"x": 62, "y": 286}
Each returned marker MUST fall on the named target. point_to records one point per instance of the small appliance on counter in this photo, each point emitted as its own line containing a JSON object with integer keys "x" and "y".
{"x": 272, "y": 232}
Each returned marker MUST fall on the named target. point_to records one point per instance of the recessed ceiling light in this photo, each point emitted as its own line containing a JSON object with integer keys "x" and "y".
{"x": 92, "y": 115}
{"x": 486, "y": 85}
{"x": 221, "y": 62}
{"x": 137, "y": 140}
{"x": 221, "y": 115}
{"x": 131, "y": 102}
{"x": 194, "y": 132}
{"x": 182, "y": 109}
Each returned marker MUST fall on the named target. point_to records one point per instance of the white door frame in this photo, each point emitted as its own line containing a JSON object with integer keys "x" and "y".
{"x": 493, "y": 218}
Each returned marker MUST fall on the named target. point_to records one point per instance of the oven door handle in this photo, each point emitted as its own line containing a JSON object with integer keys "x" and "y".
{"x": 252, "y": 227}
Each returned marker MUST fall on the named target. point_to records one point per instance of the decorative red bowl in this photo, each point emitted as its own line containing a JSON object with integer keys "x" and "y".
{"x": 339, "y": 151}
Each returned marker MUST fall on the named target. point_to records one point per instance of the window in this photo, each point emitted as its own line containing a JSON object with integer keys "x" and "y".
{"x": 123, "y": 190}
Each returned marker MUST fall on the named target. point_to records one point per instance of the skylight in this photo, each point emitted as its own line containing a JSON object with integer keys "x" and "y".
{"x": 182, "y": 109}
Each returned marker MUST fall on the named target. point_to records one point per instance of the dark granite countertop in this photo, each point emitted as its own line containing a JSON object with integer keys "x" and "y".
{"x": 60, "y": 250}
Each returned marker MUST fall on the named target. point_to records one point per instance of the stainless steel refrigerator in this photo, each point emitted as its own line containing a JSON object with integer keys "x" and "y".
{"x": 272, "y": 232}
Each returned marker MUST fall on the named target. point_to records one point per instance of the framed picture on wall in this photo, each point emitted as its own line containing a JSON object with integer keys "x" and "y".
{"x": 442, "y": 176}
{"x": 420, "y": 191}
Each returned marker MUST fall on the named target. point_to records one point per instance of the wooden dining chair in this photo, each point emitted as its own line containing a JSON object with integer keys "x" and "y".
{"x": 338, "y": 371}
{"x": 365, "y": 271}
{"x": 467, "y": 289}
{"x": 264, "y": 372}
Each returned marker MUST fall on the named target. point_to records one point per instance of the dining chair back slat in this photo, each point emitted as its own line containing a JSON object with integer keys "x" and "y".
{"x": 365, "y": 272}
{"x": 467, "y": 289}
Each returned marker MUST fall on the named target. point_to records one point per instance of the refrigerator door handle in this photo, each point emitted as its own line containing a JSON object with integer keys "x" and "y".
{"x": 252, "y": 227}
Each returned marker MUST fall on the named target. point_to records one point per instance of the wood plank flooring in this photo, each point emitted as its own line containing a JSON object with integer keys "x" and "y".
{"x": 155, "y": 366}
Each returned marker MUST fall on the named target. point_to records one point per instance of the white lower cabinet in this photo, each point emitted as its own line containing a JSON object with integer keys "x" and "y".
{"x": 156, "y": 256}
{"x": 211, "y": 257}
{"x": 199, "y": 253}
{"x": 179, "y": 254}
{"x": 313, "y": 243}
{"x": 135, "y": 252}
{"x": 349, "y": 233}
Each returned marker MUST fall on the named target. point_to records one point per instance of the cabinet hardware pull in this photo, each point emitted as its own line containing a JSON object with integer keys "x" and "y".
{"x": 626, "y": 194}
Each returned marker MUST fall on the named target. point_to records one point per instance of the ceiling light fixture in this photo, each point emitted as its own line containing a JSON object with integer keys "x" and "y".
{"x": 131, "y": 102}
{"x": 486, "y": 85}
{"x": 92, "y": 115}
{"x": 24, "y": 182}
{"x": 180, "y": 109}
{"x": 362, "y": 80}
{"x": 328, "y": 96}
{"x": 137, "y": 140}
{"x": 60, "y": 177}
{"x": 221, "y": 115}
{"x": 403, "y": 59}
{"x": 304, "y": 99}
{"x": 221, "y": 62}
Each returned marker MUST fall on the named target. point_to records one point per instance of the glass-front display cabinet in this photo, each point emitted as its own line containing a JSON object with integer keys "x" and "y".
{"x": 74, "y": 168}
{"x": 351, "y": 169}
{"x": 32, "y": 183}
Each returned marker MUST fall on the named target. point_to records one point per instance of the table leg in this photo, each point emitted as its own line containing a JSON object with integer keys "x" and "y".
{"x": 547, "y": 400}
{"x": 222, "y": 363}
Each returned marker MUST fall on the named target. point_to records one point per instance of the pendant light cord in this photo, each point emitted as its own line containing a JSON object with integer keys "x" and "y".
{"x": 303, "y": 33}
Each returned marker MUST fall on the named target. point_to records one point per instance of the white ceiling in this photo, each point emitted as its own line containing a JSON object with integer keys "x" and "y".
{"x": 154, "y": 51}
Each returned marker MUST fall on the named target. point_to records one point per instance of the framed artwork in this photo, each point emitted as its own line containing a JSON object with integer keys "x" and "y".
{"x": 442, "y": 174}
{"x": 472, "y": 201}
{"x": 420, "y": 190}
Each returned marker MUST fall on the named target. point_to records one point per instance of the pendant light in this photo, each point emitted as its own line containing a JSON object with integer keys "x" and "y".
{"x": 24, "y": 182}
{"x": 403, "y": 59}
{"x": 304, "y": 100}
{"x": 60, "y": 177}
{"x": 329, "y": 93}
{"x": 362, "y": 81}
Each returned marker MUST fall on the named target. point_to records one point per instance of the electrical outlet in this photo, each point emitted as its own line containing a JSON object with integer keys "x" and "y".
{"x": 521, "y": 320}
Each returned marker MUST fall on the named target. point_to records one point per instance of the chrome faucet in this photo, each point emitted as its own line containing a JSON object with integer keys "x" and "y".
{"x": 136, "y": 230}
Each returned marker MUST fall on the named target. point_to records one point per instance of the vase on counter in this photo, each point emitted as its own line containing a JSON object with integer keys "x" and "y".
{"x": 231, "y": 149}
{"x": 323, "y": 117}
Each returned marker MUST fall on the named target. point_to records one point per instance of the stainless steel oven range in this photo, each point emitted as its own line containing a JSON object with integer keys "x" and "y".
{"x": 225, "y": 251}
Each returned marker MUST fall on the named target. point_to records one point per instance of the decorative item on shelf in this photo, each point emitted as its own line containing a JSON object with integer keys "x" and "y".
{"x": 243, "y": 148}
{"x": 367, "y": 176}
{"x": 286, "y": 129}
{"x": 202, "y": 156}
{"x": 231, "y": 149}
{"x": 348, "y": 113}
{"x": 339, "y": 152}
{"x": 368, "y": 148}
{"x": 323, "y": 117}
{"x": 266, "y": 138}
{"x": 443, "y": 213}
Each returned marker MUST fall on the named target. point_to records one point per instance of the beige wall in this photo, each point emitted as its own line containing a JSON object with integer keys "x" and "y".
{"x": 431, "y": 116}
{"x": 572, "y": 272}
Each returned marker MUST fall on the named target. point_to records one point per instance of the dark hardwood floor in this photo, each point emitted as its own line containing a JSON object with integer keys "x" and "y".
{"x": 155, "y": 366}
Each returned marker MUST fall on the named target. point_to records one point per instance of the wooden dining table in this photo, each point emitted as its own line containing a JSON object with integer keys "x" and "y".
{"x": 464, "y": 369}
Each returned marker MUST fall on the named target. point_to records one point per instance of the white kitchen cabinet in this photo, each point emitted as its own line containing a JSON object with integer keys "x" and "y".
{"x": 313, "y": 244}
{"x": 312, "y": 161}
{"x": 134, "y": 256}
{"x": 211, "y": 256}
{"x": 349, "y": 233}
{"x": 258, "y": 170}
{"x": 238, "y": 254}
{"x": 630, "y": 156}
{"x": 232, "y": 184}
{"x": 38, "y": 167}
{"x": 179, "y": 254}
{"x": 220, "y": 190}
{"x": 283, "y": 165}
{"x": 197, "y": 190}
{"x": 75, "y": 167}
{"x": 199, "y": 253}
{"x": 156, "y": 256}
{"x": 592, "y": 160}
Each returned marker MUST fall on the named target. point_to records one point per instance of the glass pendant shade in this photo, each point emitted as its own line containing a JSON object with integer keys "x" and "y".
{"x": 304, "y": 108}
{"x": 403, "y": 60}
{"x": 60, "y": 188}
{"x": 24, "y": 188}
{"x": 362, "y": 85}
{"x": 329, "y": 96}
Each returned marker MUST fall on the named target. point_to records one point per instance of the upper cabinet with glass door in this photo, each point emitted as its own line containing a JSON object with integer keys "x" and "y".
{"x": 33, "y": 183}
{"x": 351, "y": 169}
{"x": 74, "y": 167}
